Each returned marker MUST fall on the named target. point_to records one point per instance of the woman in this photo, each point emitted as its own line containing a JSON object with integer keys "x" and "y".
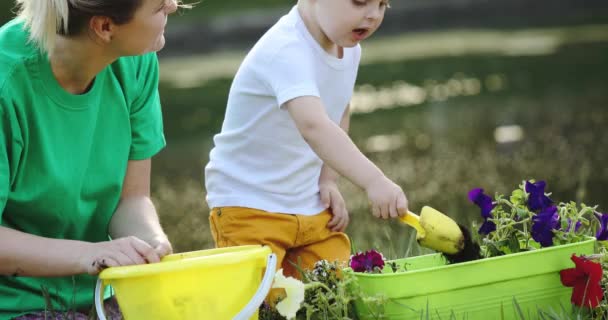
{"x": 80, "y": 119}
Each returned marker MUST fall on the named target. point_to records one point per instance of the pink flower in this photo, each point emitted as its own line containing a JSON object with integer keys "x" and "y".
{"x": 369, "y": 261}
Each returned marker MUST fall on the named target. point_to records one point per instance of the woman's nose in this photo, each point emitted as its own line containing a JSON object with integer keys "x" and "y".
{"x": 172, "y": 6}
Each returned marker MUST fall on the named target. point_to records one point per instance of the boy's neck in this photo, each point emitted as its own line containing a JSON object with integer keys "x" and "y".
{"x": 311, "y": 23}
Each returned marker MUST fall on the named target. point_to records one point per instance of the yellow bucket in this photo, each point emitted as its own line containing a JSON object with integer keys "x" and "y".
{"x": 225, "y": 283}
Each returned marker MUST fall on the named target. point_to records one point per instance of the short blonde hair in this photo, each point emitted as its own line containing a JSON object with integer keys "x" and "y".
{"x": 44, "y": 18}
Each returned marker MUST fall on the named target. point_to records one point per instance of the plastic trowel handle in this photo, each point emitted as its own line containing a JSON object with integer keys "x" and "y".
{"x": 436, "y": 231}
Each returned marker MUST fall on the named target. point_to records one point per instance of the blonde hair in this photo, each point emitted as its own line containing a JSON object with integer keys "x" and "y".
{"x": 44, "y": 19}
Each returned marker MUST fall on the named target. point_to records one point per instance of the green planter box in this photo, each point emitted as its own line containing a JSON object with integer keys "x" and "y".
{"x": 482, "y": 289}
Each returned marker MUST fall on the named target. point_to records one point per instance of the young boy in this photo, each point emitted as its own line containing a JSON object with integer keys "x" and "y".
{"x": 271, "y": 178}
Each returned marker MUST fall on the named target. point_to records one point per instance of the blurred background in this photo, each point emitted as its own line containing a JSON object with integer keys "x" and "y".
{"x": 451, "y": 95}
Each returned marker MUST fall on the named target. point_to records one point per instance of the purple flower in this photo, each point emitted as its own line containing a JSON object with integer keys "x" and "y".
{"x": 367, "y": 262}
{"x": 576, "y": 226}
{"x": 487, "y": 227}
{"x": 602, "y": 232}
{"x": 482, "y": 201}
{"x": 544, "y": 223}
{"x": 537, "y": 199}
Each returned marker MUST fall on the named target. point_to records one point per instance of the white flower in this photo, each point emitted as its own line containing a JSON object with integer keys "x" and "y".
{"x": 295, "y": 294}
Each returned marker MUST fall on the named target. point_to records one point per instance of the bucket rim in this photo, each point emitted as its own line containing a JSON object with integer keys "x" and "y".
{"x": 469, "y": 263}
{"x": 189, "y": 260}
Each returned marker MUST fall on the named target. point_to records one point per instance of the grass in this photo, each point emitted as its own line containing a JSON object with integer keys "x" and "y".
{"x": 436, "y": 150}
{"x": 443, "y": 147}
{"x": 197, "y": 70}
{"x": 212, "y": 8}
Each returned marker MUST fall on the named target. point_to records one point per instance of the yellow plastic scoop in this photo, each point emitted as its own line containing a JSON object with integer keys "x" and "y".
{"x": 436, "y": 231}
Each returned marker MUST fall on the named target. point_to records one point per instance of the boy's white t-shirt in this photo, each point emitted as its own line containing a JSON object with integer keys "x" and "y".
{"x": 260, "y": 159}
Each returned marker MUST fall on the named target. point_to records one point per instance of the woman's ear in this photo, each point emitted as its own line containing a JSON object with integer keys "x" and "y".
{"x": 102, "y": 27}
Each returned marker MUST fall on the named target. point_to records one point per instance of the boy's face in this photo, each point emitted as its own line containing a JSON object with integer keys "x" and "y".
{"x": 348, "y": 22}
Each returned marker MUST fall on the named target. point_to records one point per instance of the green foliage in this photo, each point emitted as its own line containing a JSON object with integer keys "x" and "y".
{"x": 514, "y": 221}
{"x": 330, "y": 294}
{"x": 209, "y": 8}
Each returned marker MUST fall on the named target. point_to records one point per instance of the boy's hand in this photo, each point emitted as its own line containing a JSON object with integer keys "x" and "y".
{"x": 386, "y": 198}
{"x": 332, "y": 199}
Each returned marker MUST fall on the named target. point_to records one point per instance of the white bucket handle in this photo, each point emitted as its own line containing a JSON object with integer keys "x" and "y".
{"x": 246, "y": 312}
{"x": 99, "y": 289}
{"x": 262, "y": 292}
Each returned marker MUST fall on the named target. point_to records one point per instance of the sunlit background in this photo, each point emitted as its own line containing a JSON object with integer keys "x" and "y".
{"x": 451, "y": 95}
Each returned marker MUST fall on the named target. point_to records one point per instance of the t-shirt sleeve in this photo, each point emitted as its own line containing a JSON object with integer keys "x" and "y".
{"x": 290, "y": 74}
{"x": 145, "y": 113}
{"x": 4, "y": 164}
{"x": 11, "y": 147}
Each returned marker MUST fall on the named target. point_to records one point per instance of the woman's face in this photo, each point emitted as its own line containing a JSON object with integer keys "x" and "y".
{"x": 145, "y": 32}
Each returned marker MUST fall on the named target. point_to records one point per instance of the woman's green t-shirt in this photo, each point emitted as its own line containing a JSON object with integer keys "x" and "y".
{"x": 63, "y": 157}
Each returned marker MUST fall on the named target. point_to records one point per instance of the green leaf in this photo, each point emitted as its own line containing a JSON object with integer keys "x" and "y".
{"x": 493, "y": 250}
{"x": 518, "y": 197}
{"x": 522, "y": 213}
{"x": 514, "y": 245}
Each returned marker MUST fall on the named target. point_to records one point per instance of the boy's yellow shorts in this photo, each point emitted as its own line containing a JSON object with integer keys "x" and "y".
{"x": 292, "y": 238}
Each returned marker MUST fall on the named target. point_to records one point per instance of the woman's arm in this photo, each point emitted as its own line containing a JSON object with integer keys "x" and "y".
{"x": 23, "y": 254}
{"x": 136, "y": 214}
{"x": 27, "y": 255}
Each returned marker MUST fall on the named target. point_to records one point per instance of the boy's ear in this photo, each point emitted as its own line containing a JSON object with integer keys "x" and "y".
{"x": 102, "y": 27}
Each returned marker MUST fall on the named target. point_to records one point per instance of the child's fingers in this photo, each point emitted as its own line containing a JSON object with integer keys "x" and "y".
{"x": 344, "y": 223}
{"x": 402, "y": 204}
{"x": 376, "y": 212}
{"x": 333, "y": 222}
{"x": 392, "y": 209}
{"x": 337, "y": 203}
{"x": 342, "y": 215}
{"x": 384, "y": 211}
{"x": 335, "y": 218}
{"x": 338, "y": 227}
{"x": 341, "y": 223}
{"x": 335, "y": 227}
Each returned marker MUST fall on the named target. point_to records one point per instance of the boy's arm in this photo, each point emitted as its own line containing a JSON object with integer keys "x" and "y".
{"x": 330, "y": 142}
{"x": 336, "y": 149}
{"x": 328, "y": 188}
{"x": 327, "y": 173}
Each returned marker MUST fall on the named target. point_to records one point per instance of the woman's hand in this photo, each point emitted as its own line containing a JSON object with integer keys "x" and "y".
{"x": 121, "y": 252}
{"x": 163, "y": 247}
{"x": 332, "y": 199}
